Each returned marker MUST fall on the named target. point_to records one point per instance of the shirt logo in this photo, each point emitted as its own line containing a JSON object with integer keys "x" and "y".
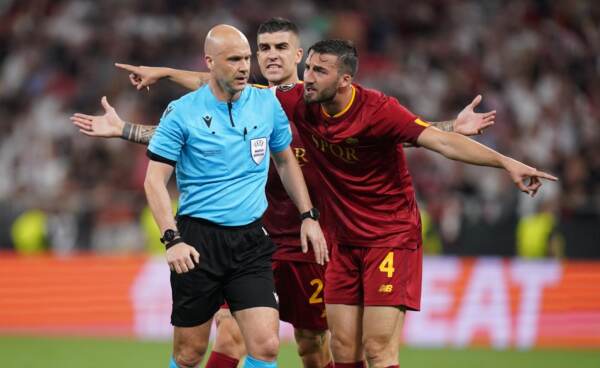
{"x": 258, "y": 149}
{"x": 386, "y": 288}
{"x": 351, "y": 140}
{"x": 167, "y": 111}
{"x": 286, "y": 87}
{"x": 207, "y": 120}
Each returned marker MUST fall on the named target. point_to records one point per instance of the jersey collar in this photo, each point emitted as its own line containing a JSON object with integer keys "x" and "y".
{"x": 345, "y": 109}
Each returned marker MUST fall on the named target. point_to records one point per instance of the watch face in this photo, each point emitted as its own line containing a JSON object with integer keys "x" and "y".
{"x": 169, "y": 235}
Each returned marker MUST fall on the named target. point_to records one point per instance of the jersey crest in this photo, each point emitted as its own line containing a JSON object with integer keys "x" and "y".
{"x": 285, "y": 87}
{"x": 258, "y": 149}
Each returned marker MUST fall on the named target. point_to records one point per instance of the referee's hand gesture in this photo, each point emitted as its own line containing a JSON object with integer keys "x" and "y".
{"x": 311, "y": 232}
{"x": 182, "y": 258}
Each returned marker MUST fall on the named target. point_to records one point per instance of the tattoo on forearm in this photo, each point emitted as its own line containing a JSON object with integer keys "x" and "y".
{"x": 138, "y": 133}
{"x": 446, "y": 126}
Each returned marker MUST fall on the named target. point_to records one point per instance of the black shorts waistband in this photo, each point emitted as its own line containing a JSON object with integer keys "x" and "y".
{"x": 204, "y": 222}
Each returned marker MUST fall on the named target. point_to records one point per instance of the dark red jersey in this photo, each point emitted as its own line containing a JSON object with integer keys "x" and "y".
{"x": 368, "y": 197}
{"x": 282, "y": 217}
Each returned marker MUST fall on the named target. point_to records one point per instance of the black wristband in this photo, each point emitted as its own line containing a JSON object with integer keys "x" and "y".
{"x": 173, "y": 242}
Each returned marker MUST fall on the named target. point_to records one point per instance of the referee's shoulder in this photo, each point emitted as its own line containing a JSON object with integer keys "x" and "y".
{"x": 188, "y": 99}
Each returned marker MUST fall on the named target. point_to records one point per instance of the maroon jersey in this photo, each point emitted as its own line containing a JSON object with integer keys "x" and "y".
{"x": 282, "y": 219}
{"x": 368, "y": 194}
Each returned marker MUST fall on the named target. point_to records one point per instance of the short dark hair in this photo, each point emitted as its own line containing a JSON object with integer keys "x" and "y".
{"x": 278, "y": 24}
{"x": 343, "y": 49}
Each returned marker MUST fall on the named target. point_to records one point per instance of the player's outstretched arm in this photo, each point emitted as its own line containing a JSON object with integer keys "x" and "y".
{"x": 110, "y": 125}
{"x": 460, "y": 148}
{"x": 145, "y": 76}
{"x": 293, "y": 182}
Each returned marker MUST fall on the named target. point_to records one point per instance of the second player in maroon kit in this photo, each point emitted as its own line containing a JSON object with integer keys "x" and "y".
{"x": 302, "y": 306}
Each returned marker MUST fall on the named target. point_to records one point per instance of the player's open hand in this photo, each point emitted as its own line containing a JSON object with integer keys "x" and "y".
{"x": 311, "y": 232}
{"x": 526, "y": 178}
{"x": 143, "y": 76}
{"x": 182, "y": 258}
{"x": 107, "y": 125}
{"x": 470, "y": 122}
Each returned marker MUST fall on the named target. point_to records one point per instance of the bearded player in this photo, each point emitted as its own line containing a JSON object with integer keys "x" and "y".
{"x": 296, "y": 274}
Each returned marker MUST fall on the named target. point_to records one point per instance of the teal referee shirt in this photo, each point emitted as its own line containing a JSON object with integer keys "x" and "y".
{"x": 220, "y": 151}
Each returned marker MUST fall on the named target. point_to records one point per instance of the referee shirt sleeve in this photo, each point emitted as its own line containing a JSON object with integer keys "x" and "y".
{"x": 166, "y": 143}
{"x": 281, "y": 137}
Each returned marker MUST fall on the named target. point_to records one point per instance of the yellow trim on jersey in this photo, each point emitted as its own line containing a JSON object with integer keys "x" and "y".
{"x": 259, "y": 85}
{"x": 422, "y": 123}
{"x": 345, "y": 108}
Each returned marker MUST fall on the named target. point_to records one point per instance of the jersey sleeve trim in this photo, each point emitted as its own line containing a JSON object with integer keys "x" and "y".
{"x": 155, "y": 157}
{"x": 422, "y": 123}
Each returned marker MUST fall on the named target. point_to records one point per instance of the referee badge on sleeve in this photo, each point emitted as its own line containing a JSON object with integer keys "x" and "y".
{"x": 258, "y": 149}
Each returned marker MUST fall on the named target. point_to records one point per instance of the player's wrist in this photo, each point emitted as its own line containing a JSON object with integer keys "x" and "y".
{"x": 312, "y": 214}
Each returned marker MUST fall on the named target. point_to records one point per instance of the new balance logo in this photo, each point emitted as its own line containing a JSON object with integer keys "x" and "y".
{"x": 386, "y": 288}
{"x": 207, "y": 120}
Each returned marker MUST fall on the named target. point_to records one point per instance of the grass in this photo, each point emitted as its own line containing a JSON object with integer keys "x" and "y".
{"x": 114, "y": 353}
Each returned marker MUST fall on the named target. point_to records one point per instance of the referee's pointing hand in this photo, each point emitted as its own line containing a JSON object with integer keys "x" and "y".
{"x": 182, "y": 258}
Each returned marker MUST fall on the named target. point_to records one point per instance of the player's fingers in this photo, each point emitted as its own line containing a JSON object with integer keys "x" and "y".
{"x": 519, "y": 183}
{"x": 490, "y": 113}
{"x": 486, "y": 124}
{"x": 475, "y": 101}
{"x": 84, "y": 124}
{"x": 303, "y": 242}
{"x": 89, "y": 133}
{"x": 133, "y": 79}
{"x": 83, "y": 116}
{"x": 129, "y": 68}
{"x": 105, "y": 104}
{"x": 541, "y": 174}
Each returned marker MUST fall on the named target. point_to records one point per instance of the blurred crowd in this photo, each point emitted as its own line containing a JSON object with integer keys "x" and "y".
{"x": 536, "y": 62}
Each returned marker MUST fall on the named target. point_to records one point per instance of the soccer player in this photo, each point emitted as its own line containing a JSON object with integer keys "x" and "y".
{"x": 221, "y": 173}
{"x": 354, "y": 138}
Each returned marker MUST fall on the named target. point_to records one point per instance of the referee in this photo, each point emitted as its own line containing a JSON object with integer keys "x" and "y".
{"x": 218, "y": 140}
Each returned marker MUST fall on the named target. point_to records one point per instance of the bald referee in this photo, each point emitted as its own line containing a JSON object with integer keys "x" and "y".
{"x": 218, "y": 140}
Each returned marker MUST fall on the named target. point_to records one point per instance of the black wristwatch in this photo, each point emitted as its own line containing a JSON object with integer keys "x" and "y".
{"x": 170, "y": 238}
{"x": 313, "y": 213}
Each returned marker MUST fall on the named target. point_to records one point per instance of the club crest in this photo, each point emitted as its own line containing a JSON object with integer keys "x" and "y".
{"x": 258, "y": 149}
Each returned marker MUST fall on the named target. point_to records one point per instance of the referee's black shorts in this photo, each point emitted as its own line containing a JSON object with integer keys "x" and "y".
{"x": 235, "y": 266}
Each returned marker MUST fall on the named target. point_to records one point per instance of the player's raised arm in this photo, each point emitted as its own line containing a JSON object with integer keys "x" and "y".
{"x": 460, "y": 148}
{"x": 144, "y": 76}
{"x": 110, "y": 125}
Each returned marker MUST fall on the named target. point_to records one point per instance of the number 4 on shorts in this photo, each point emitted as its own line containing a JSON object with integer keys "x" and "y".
{"x": 387, "y": 265}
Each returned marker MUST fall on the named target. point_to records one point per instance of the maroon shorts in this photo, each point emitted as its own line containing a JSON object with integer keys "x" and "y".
{"x": 374, "y": 276}
{"x": 300, "y": 289}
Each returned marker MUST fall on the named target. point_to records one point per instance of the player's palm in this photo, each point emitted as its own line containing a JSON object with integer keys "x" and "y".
{"x": 107, "y": 125}
{"x": 470, "y": 122}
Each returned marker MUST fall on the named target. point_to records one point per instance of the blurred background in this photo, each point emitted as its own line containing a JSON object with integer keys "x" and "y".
{"x": 73, "y": 207}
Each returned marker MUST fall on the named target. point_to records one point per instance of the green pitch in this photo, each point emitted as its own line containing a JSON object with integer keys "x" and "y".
{"x": 18, "y": 352}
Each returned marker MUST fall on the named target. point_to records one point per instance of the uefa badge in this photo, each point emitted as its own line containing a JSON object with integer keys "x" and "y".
{"x": 258, "y": 149}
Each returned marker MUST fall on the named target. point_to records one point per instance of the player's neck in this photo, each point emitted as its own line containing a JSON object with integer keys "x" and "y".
{"x": 340, "y": 103}
{"x": 220, "y": 93}
{"x": 293, "y": 78}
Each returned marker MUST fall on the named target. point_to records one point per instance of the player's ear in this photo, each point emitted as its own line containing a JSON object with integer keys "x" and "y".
{"x": 299, "y": 54}
{"x": 345, "y": 80}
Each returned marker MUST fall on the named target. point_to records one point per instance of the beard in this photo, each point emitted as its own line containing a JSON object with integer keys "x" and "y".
{"x": 326, "y": 95}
